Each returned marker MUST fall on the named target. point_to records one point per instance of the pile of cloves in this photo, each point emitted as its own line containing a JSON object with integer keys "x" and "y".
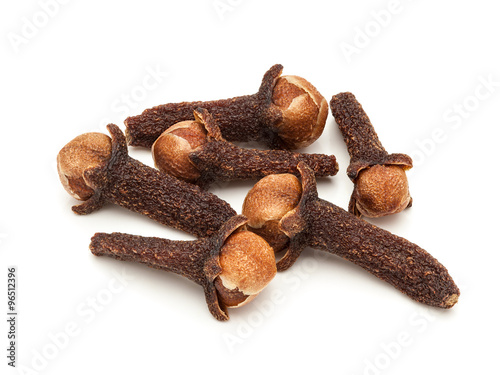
{"x": 234, "y": 256}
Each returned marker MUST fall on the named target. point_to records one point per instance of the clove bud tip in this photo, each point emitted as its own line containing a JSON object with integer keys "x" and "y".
{"x": 171, "y": 150}
{"x": 304, "y": 111}
{"x": 248, "y": 265}
{"x": 382, "y": 190}
{"x": 84, "y": 152}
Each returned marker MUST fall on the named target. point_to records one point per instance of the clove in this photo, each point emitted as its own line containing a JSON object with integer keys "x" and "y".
{"x": 97, "y": 169}
{"x": 195, "y": 151}
{"x": 232, "y": 266}
{"x": 286, "y": 113}
{"x": 380, "y": 182}
{"x": 322, "y": 225}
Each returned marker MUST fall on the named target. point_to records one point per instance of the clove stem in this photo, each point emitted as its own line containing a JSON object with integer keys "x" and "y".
{"x": 241, "y": 163}
{"x": 322, "y": 225}
{"x": 131, "y": 184}
{"x": 241, "y": 119}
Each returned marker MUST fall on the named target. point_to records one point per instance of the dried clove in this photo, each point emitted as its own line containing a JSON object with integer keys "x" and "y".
{"x": 380, "y": 183}
{"x": 320, "y": 224}
{"x": 97, "y": 169}
{"x": 195, "y": 151}
{"x": 286, "y": 113}
{"x": 232, "y": 266}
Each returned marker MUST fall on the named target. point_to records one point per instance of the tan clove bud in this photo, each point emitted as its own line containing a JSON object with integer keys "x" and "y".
{"x": 84, "y": 152}
{"x": 381, "y": 190}
{"x": 267, "y": 202}
{"x": 171, "y": 150}
{"x": 248, "y": 265}
{"x": 304, "y": 111}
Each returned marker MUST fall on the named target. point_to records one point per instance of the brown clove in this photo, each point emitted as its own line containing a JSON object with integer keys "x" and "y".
{"x": 195, "y": 151}
{"x": 232, "y": 266}
{"x": 322, "y": 225}
{"x": 286, "y": 113}
{"x": 97, "y": 169}
{"x": 380, "y": 182}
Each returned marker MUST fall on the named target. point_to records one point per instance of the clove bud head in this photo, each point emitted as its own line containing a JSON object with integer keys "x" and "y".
{"x": 248, "y": 265}
{"x": 84, "y": 152}
{"x": 172, "y": 148}
{"x": 304, "y": 111}
{"x": 382, "y": 190}
{"x": 267, "y": 202}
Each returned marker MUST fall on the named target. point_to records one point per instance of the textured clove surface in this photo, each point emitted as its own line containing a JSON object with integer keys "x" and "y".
{"x": 244, "y": 118}
{"x": 359, "y": 134}
{"x": 186, "y": 258}
{"x": 131, "y": 184}
{"x": 403, "y": 264}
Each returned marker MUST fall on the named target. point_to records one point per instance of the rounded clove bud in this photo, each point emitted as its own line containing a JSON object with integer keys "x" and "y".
{"x": 381, "y": 190}
{"x": 304, "y": 111}
{"x": 267, "y": 202}
{"x": 248, "y": 265}
{"x": 171, "y": 150}
{"x": 84, "y": 152}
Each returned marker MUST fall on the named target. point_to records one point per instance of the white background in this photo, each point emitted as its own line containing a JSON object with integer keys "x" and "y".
{"x": 419, "y": 69}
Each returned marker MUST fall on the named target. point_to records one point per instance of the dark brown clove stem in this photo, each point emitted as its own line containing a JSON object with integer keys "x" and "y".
{"x": 124, "y": 181}
{"x": 270, "y": 116}
{"x": 378, "y": 191}
{"x": 197, "y": 260}
{"x": 217, "y": 160}
{"x": 320, "y": 224}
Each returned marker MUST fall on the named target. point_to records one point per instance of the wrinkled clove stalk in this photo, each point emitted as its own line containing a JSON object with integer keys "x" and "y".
{"x": 380, "y": 183}
{"x": 97, "y": 169}
{"x": 286, "y": 113}
{"x": 232, "y": 266}
{"x": 321, "y": 225}
{"x": 195, "y": 151}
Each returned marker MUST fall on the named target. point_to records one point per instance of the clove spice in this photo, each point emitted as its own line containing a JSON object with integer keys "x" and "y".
{"x": 322, "y": 225}
{"x": 97, "y": 169}
{"x": 232, "y": 266}
{"x": 286, "y": 113}
{"x": 195, "y": 151}
{"x": 380, "y": 182}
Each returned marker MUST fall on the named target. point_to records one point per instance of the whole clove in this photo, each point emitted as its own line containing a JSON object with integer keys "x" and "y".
{"x": 286, "y": 113}
{"x": 97, "y": 169}
{"x": 380, "y": 182}
{"x": 232, "y": 266}
{"x": 322, "y": 225}
{"x": 195, "y": 151}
